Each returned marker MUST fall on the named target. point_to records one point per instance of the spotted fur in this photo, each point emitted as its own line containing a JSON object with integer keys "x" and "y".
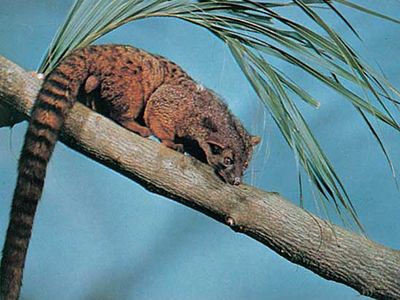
{"x": 144, "y": 93}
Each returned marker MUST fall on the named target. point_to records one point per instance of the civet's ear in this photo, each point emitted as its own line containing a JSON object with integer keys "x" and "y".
{"x": 216, "y": 148}
{"x": 254, "y": 140}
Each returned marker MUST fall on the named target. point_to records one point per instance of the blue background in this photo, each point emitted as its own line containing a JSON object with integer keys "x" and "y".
{"x": 98, "y": 235}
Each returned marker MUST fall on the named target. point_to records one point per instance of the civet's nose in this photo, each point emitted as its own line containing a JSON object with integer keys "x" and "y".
{"x": 237, "y": 181}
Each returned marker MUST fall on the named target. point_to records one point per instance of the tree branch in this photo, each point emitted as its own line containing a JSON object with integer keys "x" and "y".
{"x": 293, "y": 233}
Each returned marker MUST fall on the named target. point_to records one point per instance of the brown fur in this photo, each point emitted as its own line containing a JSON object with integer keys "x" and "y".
{"x": 144, "y": 93}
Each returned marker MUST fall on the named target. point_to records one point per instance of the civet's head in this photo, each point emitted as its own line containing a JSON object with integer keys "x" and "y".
{"x": 230, "y": 160}
{"x": 227, "y": 145}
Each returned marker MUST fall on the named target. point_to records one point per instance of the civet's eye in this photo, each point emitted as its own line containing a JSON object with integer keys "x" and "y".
{"x": 215, "y": 150}
{"x": 228, "y": 161}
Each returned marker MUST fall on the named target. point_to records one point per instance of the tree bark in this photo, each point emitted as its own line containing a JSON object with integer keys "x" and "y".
{"x": 304, "y": 239}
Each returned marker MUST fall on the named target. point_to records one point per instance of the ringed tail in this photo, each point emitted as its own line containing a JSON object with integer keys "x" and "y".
{"x": 55, "y": 99}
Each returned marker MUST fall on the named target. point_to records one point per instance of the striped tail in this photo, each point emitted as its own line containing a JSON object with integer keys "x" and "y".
{"x": 54, "y": 101}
